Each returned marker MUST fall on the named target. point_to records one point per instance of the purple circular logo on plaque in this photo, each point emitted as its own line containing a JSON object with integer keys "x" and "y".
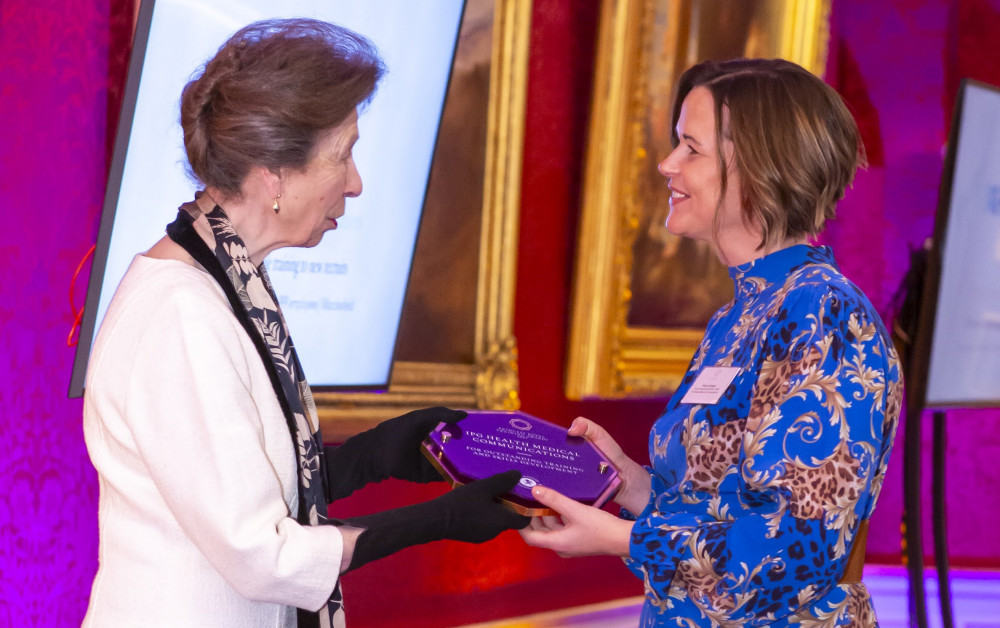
{"x": 520, "y": 424}
{"x": 527, "y": 482}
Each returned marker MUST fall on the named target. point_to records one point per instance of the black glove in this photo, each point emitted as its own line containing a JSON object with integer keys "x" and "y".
{"x": 469, "y": 513}
{"x": 389, "y": 450}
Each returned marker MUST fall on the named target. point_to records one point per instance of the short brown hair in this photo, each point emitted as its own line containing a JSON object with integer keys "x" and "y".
{"x": 796, "y": 146}
{"x": 267, "y": 95}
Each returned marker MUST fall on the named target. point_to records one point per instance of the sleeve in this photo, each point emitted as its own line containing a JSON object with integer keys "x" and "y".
{"x": 200, "y": 433}
{"x": 810, "y": 465}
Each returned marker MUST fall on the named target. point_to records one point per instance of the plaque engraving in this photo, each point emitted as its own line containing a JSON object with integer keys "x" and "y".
{"x": 488, "y": 442}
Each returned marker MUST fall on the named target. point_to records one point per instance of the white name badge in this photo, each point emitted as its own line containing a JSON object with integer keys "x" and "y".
{"x": 710, "y": 384}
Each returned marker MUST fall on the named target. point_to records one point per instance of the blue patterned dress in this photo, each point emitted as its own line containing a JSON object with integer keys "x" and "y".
{"x": 756, "y": 498}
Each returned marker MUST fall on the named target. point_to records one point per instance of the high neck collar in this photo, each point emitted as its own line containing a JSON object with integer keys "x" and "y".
{"x": 750, "y": 278}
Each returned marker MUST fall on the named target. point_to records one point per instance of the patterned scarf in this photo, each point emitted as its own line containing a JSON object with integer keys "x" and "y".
{"x": 253, "y": 301}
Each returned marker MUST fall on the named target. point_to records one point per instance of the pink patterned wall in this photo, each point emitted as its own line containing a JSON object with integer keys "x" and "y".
{"x": 56, "y": 68}
{"x": 61, "y": 65}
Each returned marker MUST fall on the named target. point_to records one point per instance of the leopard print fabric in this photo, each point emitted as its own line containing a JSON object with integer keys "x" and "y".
{"x": 757, "y": 498}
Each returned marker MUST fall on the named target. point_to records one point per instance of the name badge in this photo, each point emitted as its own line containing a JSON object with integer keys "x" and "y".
{"x": 710, "y": 384}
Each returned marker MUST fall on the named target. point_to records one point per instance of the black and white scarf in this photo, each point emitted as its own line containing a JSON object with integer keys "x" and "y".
{"x": 253, "y": 301}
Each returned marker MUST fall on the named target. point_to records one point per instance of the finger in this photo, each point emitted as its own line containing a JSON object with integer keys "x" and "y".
{"x": 530, "y": 535}
{"x": 555, "y": 500}
{"x": 501, "y": 482}
{"x": 537, "y": 525}
{"x": 579, "y": 426}
{"x": 452, "y": 416}
{"x": 535, "y": 536}
{"x": 432, "y": 417}
{"x": 600, "y": 438}
{"x": 588, "y": 429}
{"x": 552, "y": 522}
{"x": 513, "y": 520}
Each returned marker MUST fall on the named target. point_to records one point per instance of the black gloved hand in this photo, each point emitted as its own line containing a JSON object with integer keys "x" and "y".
{"x": 469, "y": 513}
{"x": 389, "y": 450}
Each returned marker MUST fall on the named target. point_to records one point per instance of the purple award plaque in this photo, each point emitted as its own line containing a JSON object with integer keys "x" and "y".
{"x": 488, "y": 442}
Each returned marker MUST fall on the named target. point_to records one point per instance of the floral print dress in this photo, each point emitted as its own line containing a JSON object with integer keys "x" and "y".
{"x": 757, "y": 497}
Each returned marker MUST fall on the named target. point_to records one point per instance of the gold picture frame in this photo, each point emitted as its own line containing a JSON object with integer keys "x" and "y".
{"x": 487, "y": 376}
{"x": 643, "y": 46}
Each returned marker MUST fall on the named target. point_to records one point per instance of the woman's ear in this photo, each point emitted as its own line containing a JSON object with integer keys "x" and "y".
{"x": 265, "y": 181}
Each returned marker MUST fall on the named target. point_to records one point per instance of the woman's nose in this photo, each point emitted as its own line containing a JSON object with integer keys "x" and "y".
{"x": 668, "y": 166}
{"x": 354, "y": 185}
{"x": 665, "y": 167}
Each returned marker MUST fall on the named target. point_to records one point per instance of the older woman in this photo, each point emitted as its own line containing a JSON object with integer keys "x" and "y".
{"x": 214, "y": 479}
{"x": 768, "y": 460}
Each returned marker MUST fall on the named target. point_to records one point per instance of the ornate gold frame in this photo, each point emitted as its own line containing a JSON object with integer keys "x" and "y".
{"x": 492, "y": 381}
{"x": 607, "y": 358}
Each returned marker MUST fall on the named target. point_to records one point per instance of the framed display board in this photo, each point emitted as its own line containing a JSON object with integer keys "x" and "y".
{"x": 343, "y": 298}
{"x": 958, "y": 349}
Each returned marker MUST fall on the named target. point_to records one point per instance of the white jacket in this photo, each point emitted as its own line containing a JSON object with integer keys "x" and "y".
{"x": 197, "y": 471}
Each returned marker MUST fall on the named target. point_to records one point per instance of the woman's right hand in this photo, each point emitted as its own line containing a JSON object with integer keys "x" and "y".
{"x": 636, "y": 485}
{"x": 469, "y": 513}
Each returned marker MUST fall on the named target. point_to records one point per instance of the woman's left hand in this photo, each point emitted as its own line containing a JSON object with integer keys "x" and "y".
{"x": 578, "y": 529}
{"x": 634, "y": 492}
{"x": 389, "y": 450}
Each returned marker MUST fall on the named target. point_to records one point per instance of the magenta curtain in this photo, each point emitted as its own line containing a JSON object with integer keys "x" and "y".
{"x": 898, "y": 64}
{"x": 60, "y": 64}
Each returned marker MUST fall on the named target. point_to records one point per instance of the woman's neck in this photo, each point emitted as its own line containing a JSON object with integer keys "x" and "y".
{"x": 742, "y": 250}
{"x": 248, "y": 221}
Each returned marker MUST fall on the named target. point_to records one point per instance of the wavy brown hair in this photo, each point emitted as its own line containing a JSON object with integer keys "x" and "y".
{"x": 796, "y": 146}
{"x": 269, "y": 93}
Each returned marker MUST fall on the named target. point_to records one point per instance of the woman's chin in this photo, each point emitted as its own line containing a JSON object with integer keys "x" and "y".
{"x": 674, "y": 227}
{"x": 310, "y": 242}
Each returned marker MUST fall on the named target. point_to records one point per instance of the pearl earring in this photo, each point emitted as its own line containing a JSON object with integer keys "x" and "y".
{"x": 275, "y": 206}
